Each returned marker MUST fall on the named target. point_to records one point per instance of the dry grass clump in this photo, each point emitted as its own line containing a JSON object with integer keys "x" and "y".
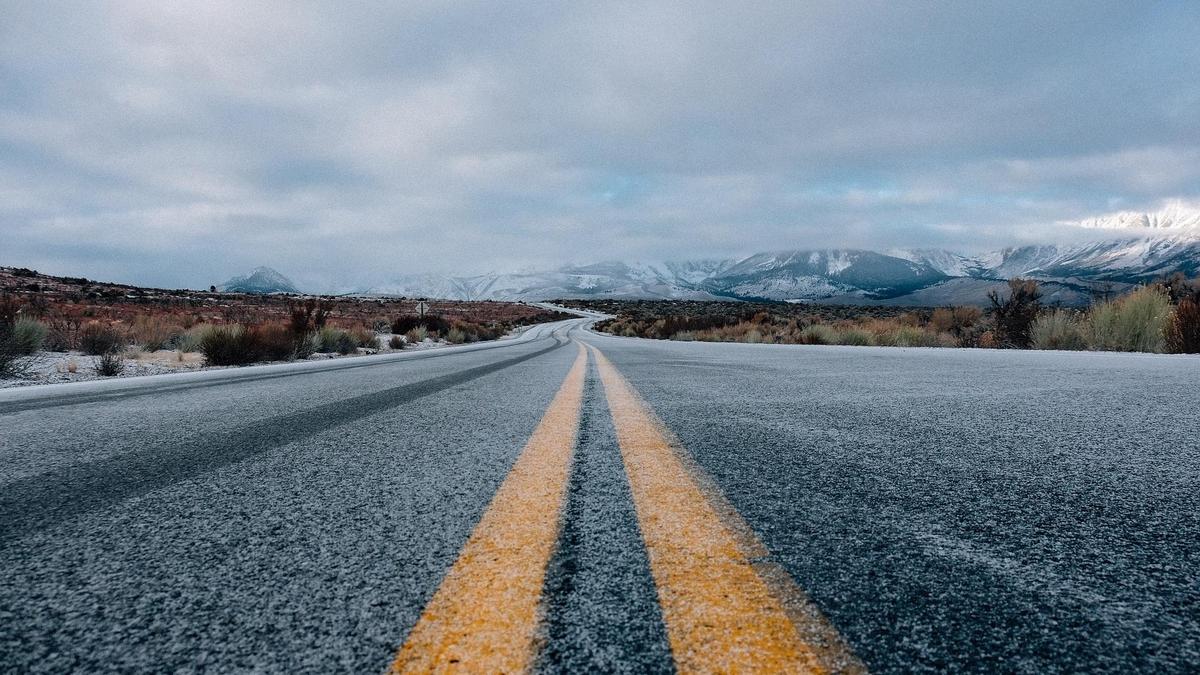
{"x": 154, "y": 332}
{"x": 272, "y": 341}
{"x": 819, "y": 334}
{"x": 1183, "y": 331}
{"x": 856, "y": 336}
{"x": 1057, "y": 329}
{"x": 111, "y": 363}
{"x": 914, "y": 336}
{"x": 397, "y": 343}
{"x": 235, "y": 345}
{"x": 364, "y": 338}
{"x": 19, "y": 338}
{"x": 1136, "y": 322}
{"x": 25, "y": 336}
{"x": 227, "y": 345}
{"x": 330, "y": 340}
{"x": 99, "y": 338}
{"x": 190, "y": 340}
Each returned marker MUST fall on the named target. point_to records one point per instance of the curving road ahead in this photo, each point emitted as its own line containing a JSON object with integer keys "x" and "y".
{"x": 568, "y": 501}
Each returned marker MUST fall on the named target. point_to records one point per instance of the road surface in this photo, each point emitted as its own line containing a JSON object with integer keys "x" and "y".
{"x": 629, "y": 505}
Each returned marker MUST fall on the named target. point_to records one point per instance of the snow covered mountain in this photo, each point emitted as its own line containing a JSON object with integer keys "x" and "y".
{"x": 1114, "y": 252}
{"x": 260, "y": 280}
{"x": 806, "y": 275}
{"x": 604, "y": 279}
{"x": 1176, "y": 217}
{"x": 1125, "y": 247}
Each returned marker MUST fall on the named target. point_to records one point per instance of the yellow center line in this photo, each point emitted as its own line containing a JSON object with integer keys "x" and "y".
{"x": 725, "y": 610}
{"x": 484, "y": 616}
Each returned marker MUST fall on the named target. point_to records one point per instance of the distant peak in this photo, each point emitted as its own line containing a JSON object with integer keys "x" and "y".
{"x": 261, "y": 279}
{"x": 1174, "y": 216}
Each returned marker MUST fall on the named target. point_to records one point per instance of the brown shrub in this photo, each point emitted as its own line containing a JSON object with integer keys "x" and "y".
{"x": 364, "y": 337}
{"x": 98, "y": 338}
{"x": 1015, "y": 313}
{"x": 272, "y": 342}
{"x": 954, "y": 320}
{"x": 153, "y": 332}
{"x": 64, "y": 334}
{"x": 431, "y": 323}
{"x": 1183, "y": 329}
{"x": 228, "y": 345}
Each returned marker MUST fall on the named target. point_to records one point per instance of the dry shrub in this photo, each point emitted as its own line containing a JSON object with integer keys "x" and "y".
{"x": 228, "y": 345}
{"x": 403, "y": 324}
{"x": 415, "y": 335}
{"x": 332, "y": 339}
{"x": 476, "y": 332}
{"x": 364, "y": 337}
{"x": 911, "y": 336}
{"x": 1058, "y": 329}
{"x": 110, "y": 363}
{"x": 308, "y": 316}
{"x": 235, "y": 345}
{"x": 1178, "y": 288}
{"x": 189, "y": 340}
{"x": 397, "y": 343}
{"x": 960, "y": 322}
{"x": 855, "y": 336}
{"x": 12, "y": 347}
{"x": 1136, "y": 322}
{"x": 98, "y": 338}
{"x": 153, "y": 332}
{"x": 432, "y": 323}
{"x": 1014, "y": 314}
{"x": 1183, "y": 330}
{"x": 64, "y": 334}
{"x": 26, "y": 336}
{"x": 819, "y": 334}
{"x": 272, "y": 342}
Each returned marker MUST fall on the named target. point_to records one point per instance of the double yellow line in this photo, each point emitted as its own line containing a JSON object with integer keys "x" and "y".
{"x": 726, "y": 608}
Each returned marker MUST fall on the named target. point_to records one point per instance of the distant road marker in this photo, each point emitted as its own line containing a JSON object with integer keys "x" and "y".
{"x": 484, "y": 617}
{"x": 726, "y": 611}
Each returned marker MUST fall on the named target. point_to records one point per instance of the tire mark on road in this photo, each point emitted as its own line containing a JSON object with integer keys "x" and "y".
{"x": 36, "y": 502}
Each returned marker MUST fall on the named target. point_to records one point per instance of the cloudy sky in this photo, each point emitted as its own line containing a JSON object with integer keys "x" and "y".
{"x": 176, "y": 143}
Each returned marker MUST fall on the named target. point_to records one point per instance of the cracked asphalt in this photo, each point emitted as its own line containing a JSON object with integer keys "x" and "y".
{"x": 946, "y": 510}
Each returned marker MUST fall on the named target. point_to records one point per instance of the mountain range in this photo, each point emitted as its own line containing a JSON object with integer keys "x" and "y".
{"x": 1123, "y": 249}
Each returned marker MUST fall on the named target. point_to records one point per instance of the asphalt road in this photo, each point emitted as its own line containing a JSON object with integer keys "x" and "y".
{"x": 940, "y": 510}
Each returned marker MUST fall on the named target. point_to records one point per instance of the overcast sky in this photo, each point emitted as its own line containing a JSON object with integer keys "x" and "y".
{"x": 176, "y": 143}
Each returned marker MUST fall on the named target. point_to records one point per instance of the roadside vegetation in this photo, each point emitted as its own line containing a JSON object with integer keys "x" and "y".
{"x": 112, "y": 329}
{"x": 1162, "y": 317}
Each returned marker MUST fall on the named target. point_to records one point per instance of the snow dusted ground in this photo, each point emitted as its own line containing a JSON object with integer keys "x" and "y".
{"x": 75, "y": 366}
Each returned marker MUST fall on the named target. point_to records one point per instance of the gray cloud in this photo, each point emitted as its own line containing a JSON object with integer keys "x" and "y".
{"x": 178, "y": 143}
